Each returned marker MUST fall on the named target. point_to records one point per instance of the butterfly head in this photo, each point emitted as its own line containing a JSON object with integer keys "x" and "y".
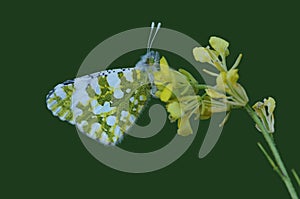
{"x": 151, "y": 58}
{"x": 150, "y": 61}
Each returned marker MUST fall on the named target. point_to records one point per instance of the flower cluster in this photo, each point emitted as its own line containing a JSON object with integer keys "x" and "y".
{"x": 180, "y": 90}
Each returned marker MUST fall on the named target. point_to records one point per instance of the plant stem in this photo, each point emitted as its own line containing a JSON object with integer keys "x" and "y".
{"x": 296, "y": 177}
{"x": 201, "y": 86}
{"x": 284, "y": 174}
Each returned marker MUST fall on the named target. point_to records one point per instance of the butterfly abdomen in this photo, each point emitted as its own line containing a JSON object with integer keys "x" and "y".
{"x": 59, "y": 101}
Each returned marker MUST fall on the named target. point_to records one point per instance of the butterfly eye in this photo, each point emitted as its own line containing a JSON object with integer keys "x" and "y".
{"x": 150, "y": 61}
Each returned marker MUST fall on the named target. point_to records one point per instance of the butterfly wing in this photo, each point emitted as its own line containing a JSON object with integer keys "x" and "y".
{"x": 105, "y": 105}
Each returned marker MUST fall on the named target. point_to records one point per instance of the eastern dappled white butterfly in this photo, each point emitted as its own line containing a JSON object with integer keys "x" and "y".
{"x": 104, "y": 105}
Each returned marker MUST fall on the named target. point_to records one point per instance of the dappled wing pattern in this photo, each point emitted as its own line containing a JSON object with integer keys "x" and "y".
{"x": 106, "y": 104}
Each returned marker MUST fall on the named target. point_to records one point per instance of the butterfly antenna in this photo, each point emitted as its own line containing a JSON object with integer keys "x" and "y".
{"x": 157, "y": 28}
{"x": 151, "y": 30}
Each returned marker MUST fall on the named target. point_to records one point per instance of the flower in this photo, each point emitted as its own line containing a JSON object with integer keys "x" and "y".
{"x": 226, "y": 84}
{"x": 227, "y": 89}
{"x": 211, "y": 56}
{"x": 175, "y": 89}
{"x": 264, "y": 111}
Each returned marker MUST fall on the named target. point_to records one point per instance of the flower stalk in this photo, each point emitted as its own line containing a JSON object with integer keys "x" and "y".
{"x": 296, "y": 177}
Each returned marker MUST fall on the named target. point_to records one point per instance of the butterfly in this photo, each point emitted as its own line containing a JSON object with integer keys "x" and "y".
{"x": 104, "y": 105}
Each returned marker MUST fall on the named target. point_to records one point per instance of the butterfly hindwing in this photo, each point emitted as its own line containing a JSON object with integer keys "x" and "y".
{"x": 105, "y": 105}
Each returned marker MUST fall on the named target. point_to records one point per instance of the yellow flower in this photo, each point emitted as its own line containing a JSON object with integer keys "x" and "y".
{"x": 176, "y": 90}
{"x": 227, "y": 82}
{"x": 265, "y": 111}
{"x": 227, "y": 88}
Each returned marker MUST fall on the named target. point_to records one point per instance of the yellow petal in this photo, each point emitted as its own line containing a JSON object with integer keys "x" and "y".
{"x": 160, "y": 78}
{"x": 163, "y": 61}
{"x": 205, "y": 113}
{"x": 221, "y": 81}
{"x": 184, "y": 126}
{"x": 242, "y": 95}
{"x": 160, "y": 86}
{"x": 166, "y": 93}
{"x": 164, "y": 66}
{"x": 233, "y": 76}
{"x": 270, "y": 103}
{"x": 174, "y": 109}
{"x": 157, "y": 75}
{"x": 219, "y": 45}
{"x": 215, "y": 94}
{"x": 157, "y": 94}
{"x": 201, "y": 54}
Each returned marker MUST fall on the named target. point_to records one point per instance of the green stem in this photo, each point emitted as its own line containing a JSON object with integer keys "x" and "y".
{"x": 272, "y": 163}
{"x": 284, "y": 174}
{"x": 201, "y": 86}
{"x": 296, "y": 177}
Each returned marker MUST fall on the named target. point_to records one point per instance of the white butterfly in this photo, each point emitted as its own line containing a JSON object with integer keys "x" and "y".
{"x": 104, "y": 105}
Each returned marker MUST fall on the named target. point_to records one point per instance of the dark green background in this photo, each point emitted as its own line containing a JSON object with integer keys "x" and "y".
{"x": 45, "y": 43}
